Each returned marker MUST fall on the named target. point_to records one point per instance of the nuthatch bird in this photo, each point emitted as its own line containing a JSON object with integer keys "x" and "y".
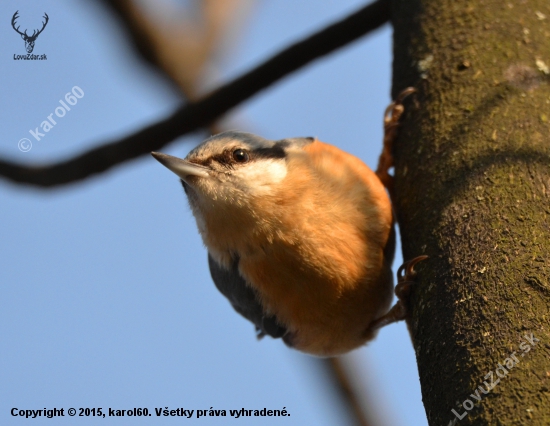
{"x": 299, "y": 235}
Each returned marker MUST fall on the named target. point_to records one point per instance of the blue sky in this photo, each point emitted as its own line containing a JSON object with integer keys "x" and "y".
{"x": 105, "y": 296}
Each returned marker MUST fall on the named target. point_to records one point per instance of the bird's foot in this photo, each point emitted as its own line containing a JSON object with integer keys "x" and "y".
{"x": 399, "y": 311}
{"x": 391, "y": 123}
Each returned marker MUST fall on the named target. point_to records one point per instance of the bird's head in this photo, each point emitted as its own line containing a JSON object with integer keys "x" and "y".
{"x": 230, "y": 170}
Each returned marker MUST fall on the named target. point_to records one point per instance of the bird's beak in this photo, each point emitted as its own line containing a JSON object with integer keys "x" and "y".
{"x": 182, "y": 168}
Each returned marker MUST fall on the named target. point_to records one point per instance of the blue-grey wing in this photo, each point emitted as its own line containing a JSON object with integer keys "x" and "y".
{"x": 243, "y": 298}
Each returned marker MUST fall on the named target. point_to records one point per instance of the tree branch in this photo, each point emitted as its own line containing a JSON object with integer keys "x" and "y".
{"x": 471, "y": 191}
{"x": 191, "y": 117}
{"x": 181, "y": 48}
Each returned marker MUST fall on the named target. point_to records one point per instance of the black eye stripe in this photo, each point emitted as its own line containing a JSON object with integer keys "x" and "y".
{"x": 223, "y": 158}
{"x": 275, "y": 151}
{"x": 228, "y": 157}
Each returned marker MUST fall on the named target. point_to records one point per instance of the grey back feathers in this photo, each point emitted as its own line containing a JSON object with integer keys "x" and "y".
{"x": 243, "y": 298}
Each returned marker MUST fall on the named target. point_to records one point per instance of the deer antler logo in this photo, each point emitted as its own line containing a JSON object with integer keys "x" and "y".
{"x": 29, "y": 39}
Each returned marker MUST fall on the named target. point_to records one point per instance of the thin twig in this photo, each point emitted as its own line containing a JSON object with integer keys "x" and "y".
{"x": 191, "y": 117}
{"x": 125, "y": 12}
{"x": 341, "y": 382}
{"x": 181, "y": 48}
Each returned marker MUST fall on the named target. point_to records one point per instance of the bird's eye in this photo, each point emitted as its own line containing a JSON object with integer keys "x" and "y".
{"x": 240, "y": 156}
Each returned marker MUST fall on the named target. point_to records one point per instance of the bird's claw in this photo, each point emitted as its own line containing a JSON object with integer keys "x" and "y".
{"x": 392, "y": 115}
{"x": 399, "y": 311}
{"x": 405, "y": 277}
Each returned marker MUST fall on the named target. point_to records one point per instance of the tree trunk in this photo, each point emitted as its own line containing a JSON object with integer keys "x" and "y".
{"x": 472, "y": 191}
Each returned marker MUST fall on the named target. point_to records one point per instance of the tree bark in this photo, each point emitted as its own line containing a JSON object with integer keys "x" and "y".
{"x": 472, "y": 191}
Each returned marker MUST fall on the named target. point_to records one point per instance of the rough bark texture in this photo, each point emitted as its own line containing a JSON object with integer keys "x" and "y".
{"x": 473, "y": 192}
